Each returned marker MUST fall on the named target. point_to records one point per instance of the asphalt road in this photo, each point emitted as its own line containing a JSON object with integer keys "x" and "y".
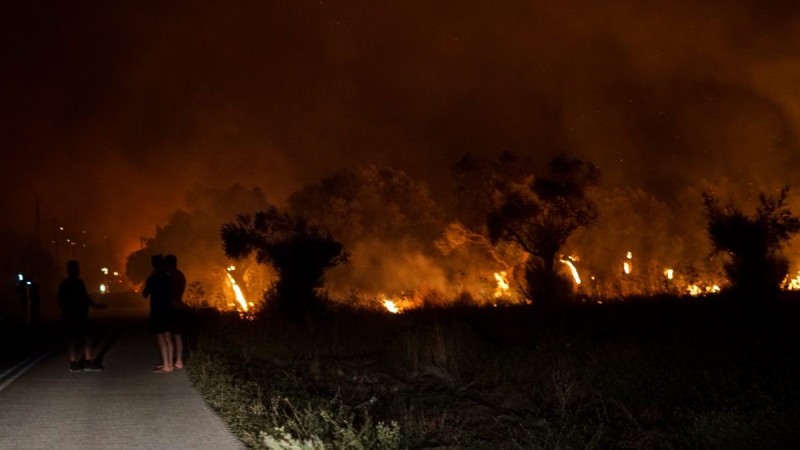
{"x": 45, "y": 406}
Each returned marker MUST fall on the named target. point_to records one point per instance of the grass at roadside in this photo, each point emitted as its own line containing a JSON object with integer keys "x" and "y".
{"x": 650, "y": 374}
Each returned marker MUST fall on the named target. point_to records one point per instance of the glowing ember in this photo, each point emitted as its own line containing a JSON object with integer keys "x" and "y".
{"x": 502, "y": 284}
{"x": 791, "y": 284}
{"x": 575, "y": 276}
{"x": 695, "y": 290}
{"x": 237, "y": 291}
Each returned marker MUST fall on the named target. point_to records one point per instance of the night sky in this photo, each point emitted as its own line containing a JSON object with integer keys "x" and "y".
{"x": 111, "y": 111}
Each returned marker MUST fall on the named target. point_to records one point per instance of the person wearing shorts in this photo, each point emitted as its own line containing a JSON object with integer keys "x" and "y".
{"x": 177, "y": 288}
{"x": 162, "y": 314}
{"x": 75, "y": 301}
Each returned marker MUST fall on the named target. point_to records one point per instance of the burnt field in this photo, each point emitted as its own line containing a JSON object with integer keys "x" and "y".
{"x": 648, "y": 373}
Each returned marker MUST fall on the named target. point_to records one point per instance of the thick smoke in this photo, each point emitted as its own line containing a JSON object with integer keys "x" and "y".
{"x": 113, "y": 110}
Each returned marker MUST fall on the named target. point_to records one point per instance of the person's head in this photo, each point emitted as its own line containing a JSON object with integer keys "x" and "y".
{"x": 157, "y": 261}
{"x": 171, "y": 261}
{"x": 73, "y": 268}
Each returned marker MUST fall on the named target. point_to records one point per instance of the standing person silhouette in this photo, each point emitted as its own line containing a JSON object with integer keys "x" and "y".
{"x": 157, "y": 287}
{"x": 177, "y": 288}
{"x": 22, "y": 291}
{"x": 75, "y": 302}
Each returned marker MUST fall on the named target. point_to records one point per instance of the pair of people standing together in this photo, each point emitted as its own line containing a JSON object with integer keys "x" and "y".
{"x": 165, "y": 287}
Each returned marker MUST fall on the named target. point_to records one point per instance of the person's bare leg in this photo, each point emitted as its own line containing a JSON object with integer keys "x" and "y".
{"x": 178, "y": 350}
{"x": 170, "y": 349}
{"x": 163, "y": 347}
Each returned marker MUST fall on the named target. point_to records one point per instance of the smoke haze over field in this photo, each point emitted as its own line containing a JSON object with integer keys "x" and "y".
{"x": 112, "y": 111}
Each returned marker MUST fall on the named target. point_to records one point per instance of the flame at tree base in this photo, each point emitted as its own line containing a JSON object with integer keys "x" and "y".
{"x": 237, "y": 291}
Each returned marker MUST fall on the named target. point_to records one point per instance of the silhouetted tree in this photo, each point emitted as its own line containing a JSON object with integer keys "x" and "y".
{"x": 299, "y": 253}
{"x": 539, "y": 214}
{"x": 753, "y": 243}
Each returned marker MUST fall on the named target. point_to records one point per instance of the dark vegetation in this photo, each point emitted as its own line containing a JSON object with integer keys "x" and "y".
{"x": 652, "y": 373}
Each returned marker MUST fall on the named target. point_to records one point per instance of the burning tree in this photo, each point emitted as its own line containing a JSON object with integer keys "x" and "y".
{"x": 386, "y": 219}
{"x": 299, "y": 253}
{"x": 480, "y": 185}
{"x": 539, "y": 214}
{"x": 754, "y": 243}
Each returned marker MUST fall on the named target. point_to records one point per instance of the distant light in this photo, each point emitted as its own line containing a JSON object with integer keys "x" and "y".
{"x": 116, "y": 274}
{"x": 102, "y": 288}
{"x": 28, "y": 283}
{"x": 61, "y": 228}
{"x": 104, "y": 270}
{"x": 20, "y": 277}
{"x": 629, "y": 255}
{"x": 231, "y": 268}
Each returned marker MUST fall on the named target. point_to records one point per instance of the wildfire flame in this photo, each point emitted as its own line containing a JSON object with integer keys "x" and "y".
{"x": 669, "y": 273}
{"x": 792, "y": 284}
{"x": 695, "y": 290}
{"x": 626, "y": 266}
{"x": 390, "y": 306}
{"x": 568, "y": 261}
{"x": 237, "y": 291}
{"x": 502, "y": 284}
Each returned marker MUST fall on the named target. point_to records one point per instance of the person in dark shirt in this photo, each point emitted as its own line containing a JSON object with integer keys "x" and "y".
{"x": 157, "y": 288}
{"x": 177, "y": 288}
{"x": 75, "y": 301}
{"x": 22, "y": 292}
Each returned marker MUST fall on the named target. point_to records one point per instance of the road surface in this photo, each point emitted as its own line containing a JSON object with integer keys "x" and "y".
{"x": 45, "y": 406}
